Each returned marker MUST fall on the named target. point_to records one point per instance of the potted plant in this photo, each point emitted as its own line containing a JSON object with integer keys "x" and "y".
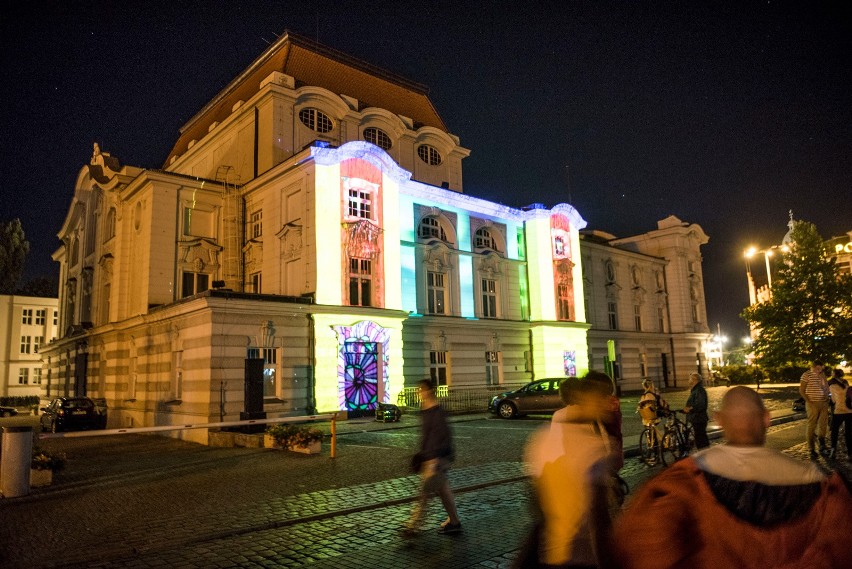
{"x": 43, "y": 465}
{"x": 297, "y": 438}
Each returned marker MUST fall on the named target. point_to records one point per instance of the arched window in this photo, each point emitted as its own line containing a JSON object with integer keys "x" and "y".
{"x": 483, "y": 239}
{"x": 109, "y": 225}
{"x": 316, "y": 120}
{"x": 610, "y": 272}
{"x": 430, "y": 228}
{"x": 429, "y": 154}
{"x": 378, "y": 137}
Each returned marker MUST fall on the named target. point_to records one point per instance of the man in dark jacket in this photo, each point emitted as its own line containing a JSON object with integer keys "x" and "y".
{"x": 696, "y": 410}
{"x": 740, "y": 504}
{"x": 432, "y": 462}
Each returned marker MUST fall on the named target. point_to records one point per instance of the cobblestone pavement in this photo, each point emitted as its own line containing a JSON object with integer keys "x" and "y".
{"x": 141, "y": 501}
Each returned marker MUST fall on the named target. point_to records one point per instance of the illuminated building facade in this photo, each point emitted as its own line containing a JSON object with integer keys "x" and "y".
{"x": 310, "y": 216}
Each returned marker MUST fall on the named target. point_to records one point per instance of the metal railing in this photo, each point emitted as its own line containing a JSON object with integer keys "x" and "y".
{"x": 473, "y": 399}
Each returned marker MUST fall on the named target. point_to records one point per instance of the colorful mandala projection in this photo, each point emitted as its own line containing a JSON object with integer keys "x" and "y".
{"x": 570, "y": 361}
{"x": 362, "y": 357}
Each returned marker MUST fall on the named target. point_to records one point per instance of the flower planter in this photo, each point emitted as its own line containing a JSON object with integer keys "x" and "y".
{"x": 271, "y": 442}
{"x": 39, "y": 478}
{"x": 312, "y": 448}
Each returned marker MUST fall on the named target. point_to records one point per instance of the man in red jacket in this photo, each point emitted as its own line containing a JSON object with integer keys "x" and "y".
{"x": 737, "y": 505}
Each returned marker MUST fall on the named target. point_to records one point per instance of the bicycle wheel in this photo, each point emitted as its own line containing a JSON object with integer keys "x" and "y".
{"x": 687, "y": 440}
{"x": 649, "y": 450}
{"x": 670, "y": 448}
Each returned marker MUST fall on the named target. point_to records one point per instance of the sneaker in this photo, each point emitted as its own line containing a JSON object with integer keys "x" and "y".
{"x": 450, "y": 529}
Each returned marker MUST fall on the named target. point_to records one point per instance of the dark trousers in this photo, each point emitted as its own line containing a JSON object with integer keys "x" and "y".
{"x": 844, "y": 419}
{"x": 700, "y": 430}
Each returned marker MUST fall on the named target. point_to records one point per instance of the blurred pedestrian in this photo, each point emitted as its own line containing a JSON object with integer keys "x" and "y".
{"x": 432, "y": 462}
{"x": 570, "y": 463}
{"x": 696, "y": 410}
{"x": 814, "y": 389}
{"x": 737, "y": 505}
{"x": 841, "y": 394}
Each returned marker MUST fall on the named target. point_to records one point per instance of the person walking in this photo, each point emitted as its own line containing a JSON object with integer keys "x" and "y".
{"x": 814, "y": 390}
{"x": 432, "y": 462}
{"x": 841, "y": 394}
{"x": 739, "y": 504}
{"x": 696, "y": 410}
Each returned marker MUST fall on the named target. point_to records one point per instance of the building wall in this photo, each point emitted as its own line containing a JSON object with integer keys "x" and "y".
{"x": 23, "y": 320}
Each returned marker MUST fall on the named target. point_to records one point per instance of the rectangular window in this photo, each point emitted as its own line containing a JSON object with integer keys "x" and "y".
{"x": 23, "y": 376}
{"x": 255, "y": 283}
{"x": 193, "y": 283}
{"x": 270, "y": 369}
{"x": 256, "y": 224}
{"x": 360, "y": 282}
{"x": 40, "y": 316}
{"x": 492, "y": 368}
{"x": 27, "y": 316}
{"x": 26, "y": 344}
{"x": 38, "y": 341}
{"x": 489, "y": 298}
{"x": 359, "y": 204}
{"x": 436, "y": 293}
{"x": 37, "y": 376}
{"x": 612, "y": 314}
{"x": 564, "y": 302}
{"x": 637, "y": 317}
{"x": 438, "y": 368}
{"x": 55, "y": 317}
{"x": 661, "y": 319}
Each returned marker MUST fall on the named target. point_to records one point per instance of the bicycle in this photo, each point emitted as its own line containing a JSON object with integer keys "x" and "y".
{"x": 650, "y": 441}
{"x": 678, "y": 438}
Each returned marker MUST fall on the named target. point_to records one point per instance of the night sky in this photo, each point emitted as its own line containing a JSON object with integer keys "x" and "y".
{"x": 724, "y": 114}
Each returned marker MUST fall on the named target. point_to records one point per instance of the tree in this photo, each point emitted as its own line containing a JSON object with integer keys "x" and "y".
{"x": 809, "y": 314}
{"x": 40, "y": 286}
{"x": 13, "y": 253}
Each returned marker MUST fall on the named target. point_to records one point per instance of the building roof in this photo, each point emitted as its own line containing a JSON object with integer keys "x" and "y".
{"x": 311, "y": 63}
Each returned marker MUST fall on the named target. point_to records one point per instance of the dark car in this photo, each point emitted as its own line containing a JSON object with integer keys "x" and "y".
{"x": 71, "y": 414}
{"x": 541, "y": 396}
{"x": 8, "y": 411}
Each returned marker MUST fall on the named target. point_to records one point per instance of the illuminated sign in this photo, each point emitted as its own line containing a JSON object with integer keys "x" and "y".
{"x": 843, "y": 248}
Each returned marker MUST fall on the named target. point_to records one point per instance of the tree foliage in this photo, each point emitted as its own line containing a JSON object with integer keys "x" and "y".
{"x": 809, "y": 314}
{"x": 13, "y": 254}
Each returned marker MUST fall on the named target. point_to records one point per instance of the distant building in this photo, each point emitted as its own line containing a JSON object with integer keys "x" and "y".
{"x": 311, "y": 218}
{"x": 27, "y": 323}
{"x": 645, "y": 301}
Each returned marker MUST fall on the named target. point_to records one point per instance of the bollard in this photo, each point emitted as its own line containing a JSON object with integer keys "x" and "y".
{"x": 16, "y": 458}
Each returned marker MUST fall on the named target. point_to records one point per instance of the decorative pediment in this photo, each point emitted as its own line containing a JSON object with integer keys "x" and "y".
{"x": 638, "y": 295}
{"x": 490, "y": 265}
{"x": 106, "y": 263}
{"x": 253, "y": 253}
{"x": 437, "y": 257}
{"x": 290, "y": 236}
{"x": 612, "y": 291}
{"x": 199, "y": 252}
{"x": 563, "y": 270}
{"x": 361, "y": 239}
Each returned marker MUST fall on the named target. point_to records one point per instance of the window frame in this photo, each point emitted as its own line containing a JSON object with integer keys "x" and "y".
{"x": 436, "y": 292}
{"x": 27, "y": 316}
{"x": 361, "y": 278}
{"x": 429, "y": 155}
{"x": 430, "y": 227}
{"x": 439, "y": 368}
{"x": 315, "y": 120}
{"x": 195, "y": 277}
{"x": 489, "y": 297}
{"x": 493, "y": 368}
{"x": 564, "y": 302}
{"x": 612, "y": 315}
{"x": 378, "y": 138}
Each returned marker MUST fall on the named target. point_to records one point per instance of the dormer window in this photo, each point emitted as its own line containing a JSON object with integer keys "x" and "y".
{"x": 378, "y": 137}
{"x": 429, "y": 154}
{"x": 430, "y": 228}
{"x": 316, "y": 120}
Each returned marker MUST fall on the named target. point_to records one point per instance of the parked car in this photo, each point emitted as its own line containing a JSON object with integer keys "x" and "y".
{"x": 71, "y": 414}
{"x": 8, "y": 411}
{"x": 541, "y": 396}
